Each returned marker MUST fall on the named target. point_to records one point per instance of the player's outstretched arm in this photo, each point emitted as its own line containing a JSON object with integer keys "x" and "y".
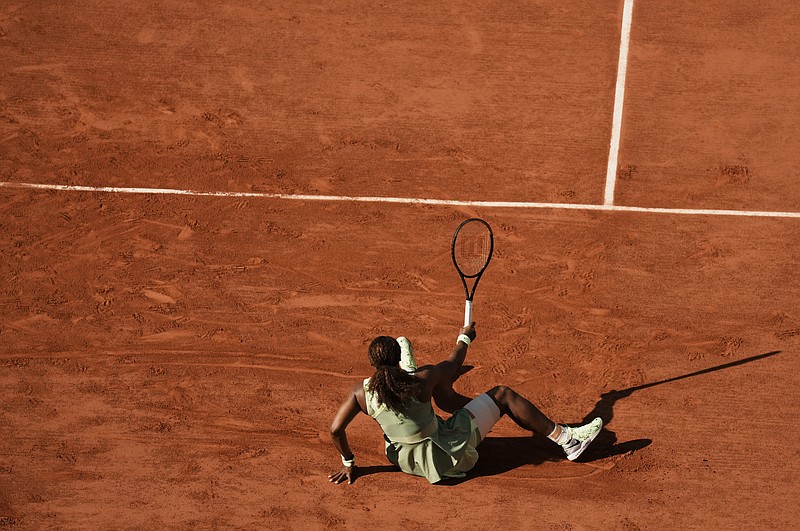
{"x": 451, "y": 367}
{"x": 444, "y": 374}
{"x": 349, "y": 409}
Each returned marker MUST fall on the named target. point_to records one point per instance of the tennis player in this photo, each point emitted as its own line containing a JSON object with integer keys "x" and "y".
{"x": 398, "y": 396}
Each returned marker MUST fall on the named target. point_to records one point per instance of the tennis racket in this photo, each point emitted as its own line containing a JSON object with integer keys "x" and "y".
{"x": 473, "y": 244}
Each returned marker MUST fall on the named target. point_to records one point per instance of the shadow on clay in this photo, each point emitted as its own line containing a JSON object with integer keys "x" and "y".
{"x": 503, "y": 454}
{"x": 378, "y": 469}
{"x": 605, "y": 444}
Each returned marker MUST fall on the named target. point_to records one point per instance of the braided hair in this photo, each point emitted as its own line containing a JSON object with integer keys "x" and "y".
{"x": 393, "y": 385}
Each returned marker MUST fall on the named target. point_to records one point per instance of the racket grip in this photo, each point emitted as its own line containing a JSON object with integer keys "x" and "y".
{"x": 468, "y": 313}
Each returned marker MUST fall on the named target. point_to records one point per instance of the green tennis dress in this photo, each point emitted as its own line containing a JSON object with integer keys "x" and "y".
{"x": 421, "y": 443}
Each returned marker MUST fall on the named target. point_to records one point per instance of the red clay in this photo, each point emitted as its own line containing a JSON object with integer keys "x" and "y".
{"x": 176, "y": 361}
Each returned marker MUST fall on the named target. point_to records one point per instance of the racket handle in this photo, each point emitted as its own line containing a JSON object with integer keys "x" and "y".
{"x": 468, "y": 313}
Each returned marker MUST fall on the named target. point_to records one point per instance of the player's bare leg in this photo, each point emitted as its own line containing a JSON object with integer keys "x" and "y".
{"x": 447, "y": 398}
{"x": 521, "y": 410}
{"x": 573, "y": 440}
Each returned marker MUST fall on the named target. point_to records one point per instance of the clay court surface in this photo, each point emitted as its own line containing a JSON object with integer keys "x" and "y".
{"x": 174, "y": 361}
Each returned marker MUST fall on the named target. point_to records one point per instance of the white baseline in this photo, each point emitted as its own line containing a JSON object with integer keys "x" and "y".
{"x": 404, "y": 200}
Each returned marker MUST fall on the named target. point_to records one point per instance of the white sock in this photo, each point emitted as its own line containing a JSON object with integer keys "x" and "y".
{"x": 560, "y": 435}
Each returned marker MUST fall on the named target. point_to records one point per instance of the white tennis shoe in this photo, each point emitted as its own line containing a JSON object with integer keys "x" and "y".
{"x": 582, "y": 437}
{"x": 407, "y": 361}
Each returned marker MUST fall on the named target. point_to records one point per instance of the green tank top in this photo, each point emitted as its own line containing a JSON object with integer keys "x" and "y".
{"x": 423, "y": 444}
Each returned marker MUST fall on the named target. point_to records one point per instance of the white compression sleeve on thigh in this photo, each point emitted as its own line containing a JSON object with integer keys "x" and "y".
{"x": 486, "y": 413}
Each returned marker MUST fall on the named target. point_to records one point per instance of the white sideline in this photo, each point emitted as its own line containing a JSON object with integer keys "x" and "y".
{"x": 619, "y": 97}
{"x": 404, "y": 200}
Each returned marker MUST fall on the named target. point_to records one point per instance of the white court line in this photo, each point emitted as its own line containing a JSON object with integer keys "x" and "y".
{"x": 405, "y": 200}
{"x": 619, "y": 97}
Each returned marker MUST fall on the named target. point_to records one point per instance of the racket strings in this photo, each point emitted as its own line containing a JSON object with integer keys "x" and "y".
{"x": 472, "y": 249}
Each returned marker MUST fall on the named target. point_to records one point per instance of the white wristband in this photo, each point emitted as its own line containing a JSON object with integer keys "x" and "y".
{"x": 464, "y": 338}
{"x": 348, "y": 462}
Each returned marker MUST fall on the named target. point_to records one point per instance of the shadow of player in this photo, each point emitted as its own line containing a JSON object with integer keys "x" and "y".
{"x": 503, "y": 454}
{"x": 605, "y": 444}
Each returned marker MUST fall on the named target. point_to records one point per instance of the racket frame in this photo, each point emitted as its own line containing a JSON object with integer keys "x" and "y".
{"x": 470, "y": 294}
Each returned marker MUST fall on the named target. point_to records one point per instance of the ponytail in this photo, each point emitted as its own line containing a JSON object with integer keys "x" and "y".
{"x": 392, "y": 385}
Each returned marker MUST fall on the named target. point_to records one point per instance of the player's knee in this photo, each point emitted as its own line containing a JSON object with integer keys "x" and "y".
{"x": 502, "y": 394}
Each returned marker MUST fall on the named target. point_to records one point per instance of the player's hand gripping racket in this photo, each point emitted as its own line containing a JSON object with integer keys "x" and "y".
{"x": 473, "y": 243}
